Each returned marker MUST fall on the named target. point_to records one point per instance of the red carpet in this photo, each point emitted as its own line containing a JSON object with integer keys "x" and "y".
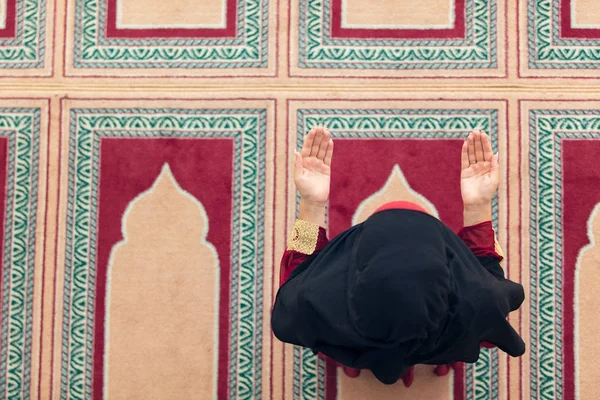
{"x": 147, "y": 191}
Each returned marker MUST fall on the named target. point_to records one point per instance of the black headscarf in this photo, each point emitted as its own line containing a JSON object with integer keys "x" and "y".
{"x": 397, "y": 290}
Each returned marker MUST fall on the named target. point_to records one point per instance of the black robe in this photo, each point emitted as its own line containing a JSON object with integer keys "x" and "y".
{"x": 397, "y": 290}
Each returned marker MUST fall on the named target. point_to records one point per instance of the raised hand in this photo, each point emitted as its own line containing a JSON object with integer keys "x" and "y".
{"x": 480, "y": 174}
{"x": 312, "y": 173}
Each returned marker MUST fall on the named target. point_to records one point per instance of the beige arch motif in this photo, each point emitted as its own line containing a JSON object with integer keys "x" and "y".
{"x": 395, "y": 188}
{"x": 587, "y": 304}
{"x": 162, "y": 300}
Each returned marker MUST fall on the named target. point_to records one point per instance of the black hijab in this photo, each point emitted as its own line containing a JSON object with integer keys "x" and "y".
{"x": 397, "y": 290}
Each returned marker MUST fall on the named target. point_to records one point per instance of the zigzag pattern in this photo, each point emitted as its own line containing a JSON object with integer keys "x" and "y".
{"x": 104, "y": 41}
{"x": 248, "y": 129}
{"x": 309, "y": 375}
{"x": 547, "y": 50}
{"x": 28, "y": 48}
{"x": 482, "y": 377}
{"x": 546, "y": 278}
{"x": 476, "y": 51}
{"x": 469, "y": 33}
{"x": 91, "y": 52}
{"x": 22, "y": 127}
{"x": 547, "y": 129}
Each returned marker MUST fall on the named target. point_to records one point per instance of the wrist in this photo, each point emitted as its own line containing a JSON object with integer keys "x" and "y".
{"x": 476, "y": 214}
{"x": 313, "y": 212}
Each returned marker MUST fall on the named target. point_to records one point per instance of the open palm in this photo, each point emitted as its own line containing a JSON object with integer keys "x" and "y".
{"x": 480, "y": 173}
{"x": 312, "y": 172}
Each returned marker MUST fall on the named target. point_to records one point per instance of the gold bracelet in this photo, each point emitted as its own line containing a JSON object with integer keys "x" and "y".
{"x": 498, "y": 249}
{"x": 304, "y": 237}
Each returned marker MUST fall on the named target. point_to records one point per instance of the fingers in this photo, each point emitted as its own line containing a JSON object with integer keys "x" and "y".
{"x": 471, "y": 150}
{"x": 478, "y": 146}
{"x": 308, "y": 143}
{"x": 324, "y": 143}
{"x": 329, "y": 153}
{"x": 317, "y": 144}
{"x": 465, "y": 155}
{"x": 314, "y": 150}
{"x": 488, "y": 153}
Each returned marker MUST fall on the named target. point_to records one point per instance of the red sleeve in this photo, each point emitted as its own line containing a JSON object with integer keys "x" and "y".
{"x": 291, "y": 259}
{"x": 481, "y": 239}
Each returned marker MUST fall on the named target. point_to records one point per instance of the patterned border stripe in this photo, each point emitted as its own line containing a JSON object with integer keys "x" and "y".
{"x": 306, "y": 381}
{"x": 27, "y": 49}
{"x": 483, "y": 389}
{"x": 247, "y": 128}
{"x": 21, "y": 126}
{"x": 238, "y": 40}
{"x": 442, "y": 124}
{"x": 477, "y": 51}
{"x": 467, "y": 41}
{"x": 547, "y": 130}
{"x": 547, "y": 50}
{"x": 247, "y": 50}
{"x": 557, "y": 39}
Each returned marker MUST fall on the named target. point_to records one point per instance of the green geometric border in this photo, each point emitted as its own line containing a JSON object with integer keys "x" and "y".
{"x": 21, "y": 126}
{"x": 248, "y": 50}
{"x": 247, "y": 129}
{"x": 471, "y": 16}
{"x": 477, "y": 51}
{"x": 546, "y": 50}
{"x": 556, "y": 30}
{"x": 442, "y": 124}
{"x": 27, "y": 49}
{"x": 547, "y": 130}
{"x": 309, "y": 375}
